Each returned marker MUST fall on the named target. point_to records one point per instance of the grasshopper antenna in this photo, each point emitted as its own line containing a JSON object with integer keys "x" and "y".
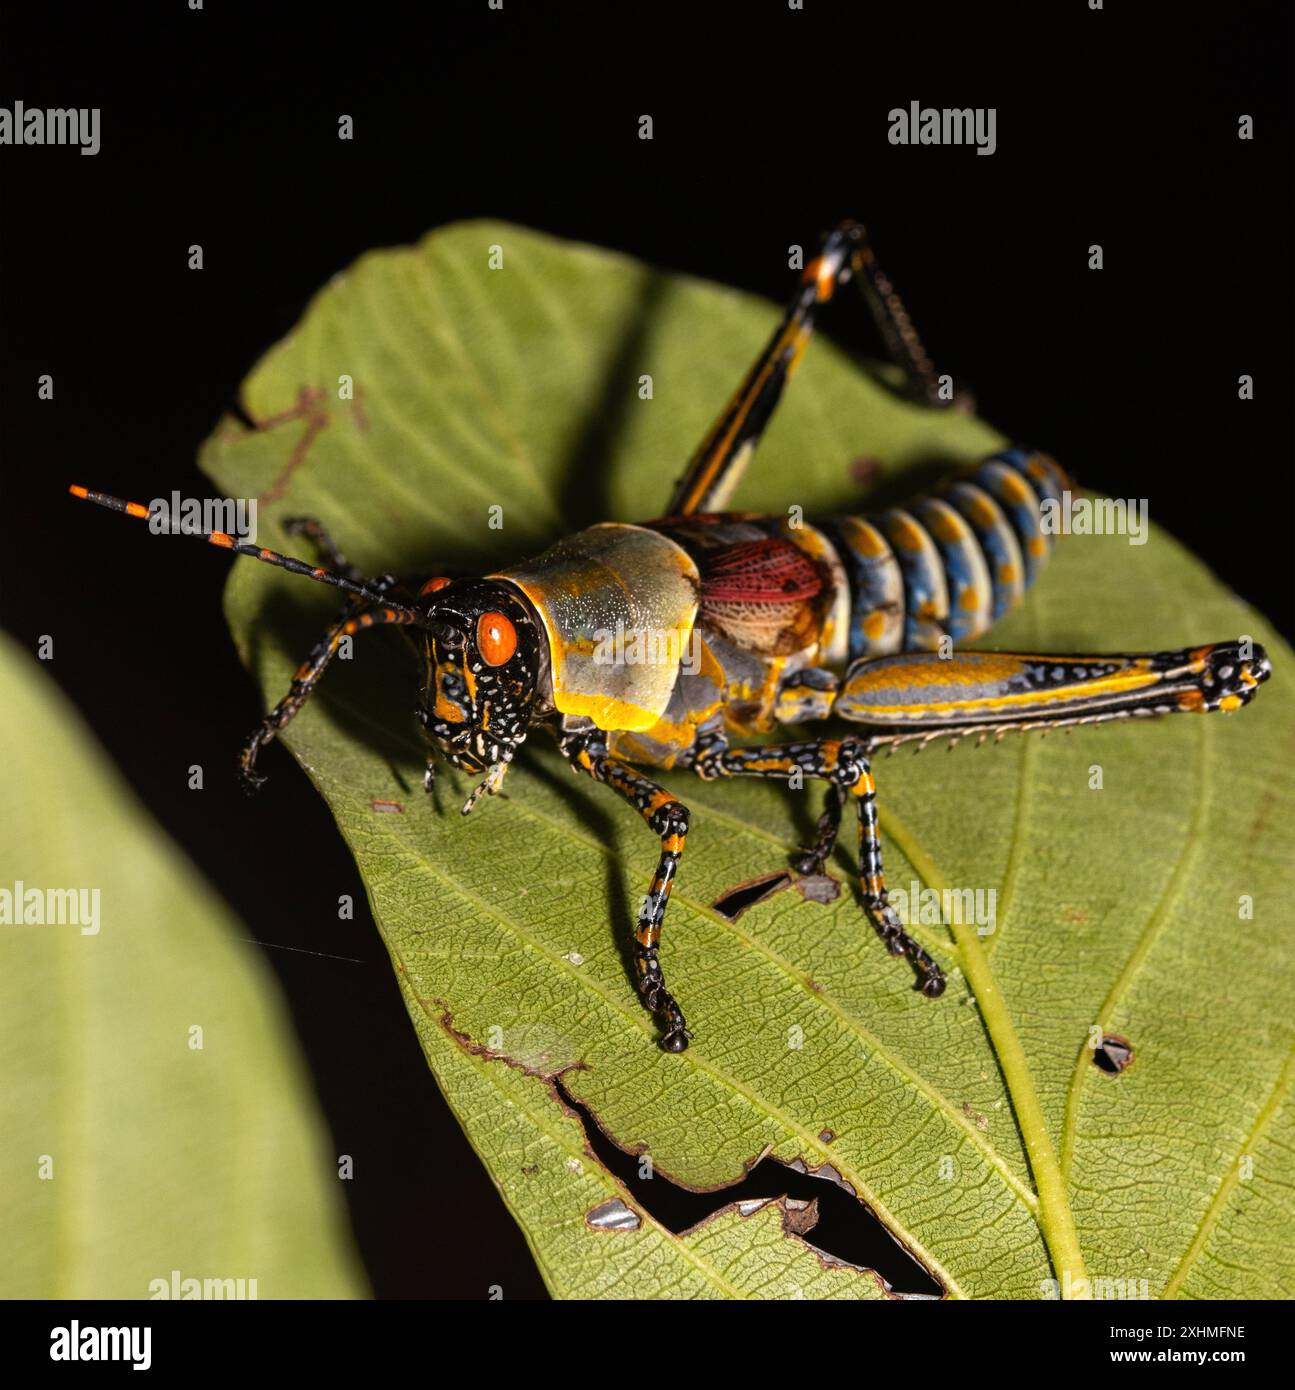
{"x": 406, "y": 614}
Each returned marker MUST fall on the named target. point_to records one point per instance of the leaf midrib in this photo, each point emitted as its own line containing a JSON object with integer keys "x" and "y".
{"x": 1054, "y": 1215}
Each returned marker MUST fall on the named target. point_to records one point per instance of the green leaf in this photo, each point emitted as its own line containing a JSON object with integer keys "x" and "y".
{"x": 977, "y": 1127}
{"x": 127, "y": 1152}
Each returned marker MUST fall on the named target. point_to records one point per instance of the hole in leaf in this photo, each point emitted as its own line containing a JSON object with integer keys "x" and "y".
{"x": 743, "y": 895}
{"x": 846, "y": 1229}
{"x": 1113, "y": 1055}
{"x": 613, "y": 1215}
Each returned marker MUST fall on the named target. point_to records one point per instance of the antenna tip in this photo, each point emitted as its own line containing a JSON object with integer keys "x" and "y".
{"x": 80, "y": 492}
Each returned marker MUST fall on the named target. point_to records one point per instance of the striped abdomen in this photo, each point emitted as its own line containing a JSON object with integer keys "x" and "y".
{"x": 954, "y": 562}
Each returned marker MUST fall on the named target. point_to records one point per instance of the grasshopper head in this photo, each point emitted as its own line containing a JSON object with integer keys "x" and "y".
{"x": 485, "y": 654}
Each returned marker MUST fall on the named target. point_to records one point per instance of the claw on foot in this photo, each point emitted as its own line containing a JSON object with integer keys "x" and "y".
{"x": 252, "y": 781}
{"x": 662, "y": 1003}
{"x": 932, "y": 985}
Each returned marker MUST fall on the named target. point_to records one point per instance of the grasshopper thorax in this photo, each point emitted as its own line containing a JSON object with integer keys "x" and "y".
{"x": 484, "y": 660}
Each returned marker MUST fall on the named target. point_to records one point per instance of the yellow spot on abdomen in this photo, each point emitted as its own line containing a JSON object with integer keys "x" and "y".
{"x": 1015, "y": 488}
{"x": 906, "y": 534}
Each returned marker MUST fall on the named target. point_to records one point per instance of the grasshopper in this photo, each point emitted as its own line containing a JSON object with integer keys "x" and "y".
{"x": 782, "y": 623}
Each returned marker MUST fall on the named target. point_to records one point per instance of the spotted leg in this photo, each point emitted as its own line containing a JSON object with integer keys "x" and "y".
{"x": 356, "y": 616}
{"x": 668, "y": 818}
{"x": 843, "y": 764}
{"x": 813, "y": 859}
{"x": 332, "y": 556}
{"x": 307, "y": 677}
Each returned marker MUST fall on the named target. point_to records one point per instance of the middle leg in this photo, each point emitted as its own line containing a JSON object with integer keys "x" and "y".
{"x": 843, "y": 764}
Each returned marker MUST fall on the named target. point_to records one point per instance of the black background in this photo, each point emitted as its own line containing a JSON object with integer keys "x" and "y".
{"x": 219, "y": 127}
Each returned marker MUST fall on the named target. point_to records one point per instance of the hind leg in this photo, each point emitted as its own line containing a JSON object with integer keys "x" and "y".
{"x": 845, "y": 254}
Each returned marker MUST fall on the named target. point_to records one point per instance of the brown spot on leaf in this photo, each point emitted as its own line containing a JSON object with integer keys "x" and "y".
{"x": 864, "y": 470}
{"x": 818, "y": 888}
{"x": 309, "y": 409}
{"x": 799, "y": 1218}
{"x": 977, "y": 1117}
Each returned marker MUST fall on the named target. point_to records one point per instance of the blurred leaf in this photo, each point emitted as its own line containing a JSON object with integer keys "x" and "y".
{"x": 127, "y": 1153}
{"x": 519, "y": 387}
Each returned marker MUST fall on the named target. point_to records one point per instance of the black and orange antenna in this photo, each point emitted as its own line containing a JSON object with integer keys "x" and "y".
{"x": 402, "y": 613}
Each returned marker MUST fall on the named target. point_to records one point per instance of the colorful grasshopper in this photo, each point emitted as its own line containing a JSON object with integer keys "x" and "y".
{"x": 786, "y": 623}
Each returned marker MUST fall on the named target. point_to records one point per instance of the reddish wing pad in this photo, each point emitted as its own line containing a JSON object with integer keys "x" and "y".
{"x": 767, "y": 571}
{"x": 764, "y": 595}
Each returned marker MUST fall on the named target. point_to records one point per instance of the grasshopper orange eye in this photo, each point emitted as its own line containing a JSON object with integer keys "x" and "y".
{"x": 496, "y": 638}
